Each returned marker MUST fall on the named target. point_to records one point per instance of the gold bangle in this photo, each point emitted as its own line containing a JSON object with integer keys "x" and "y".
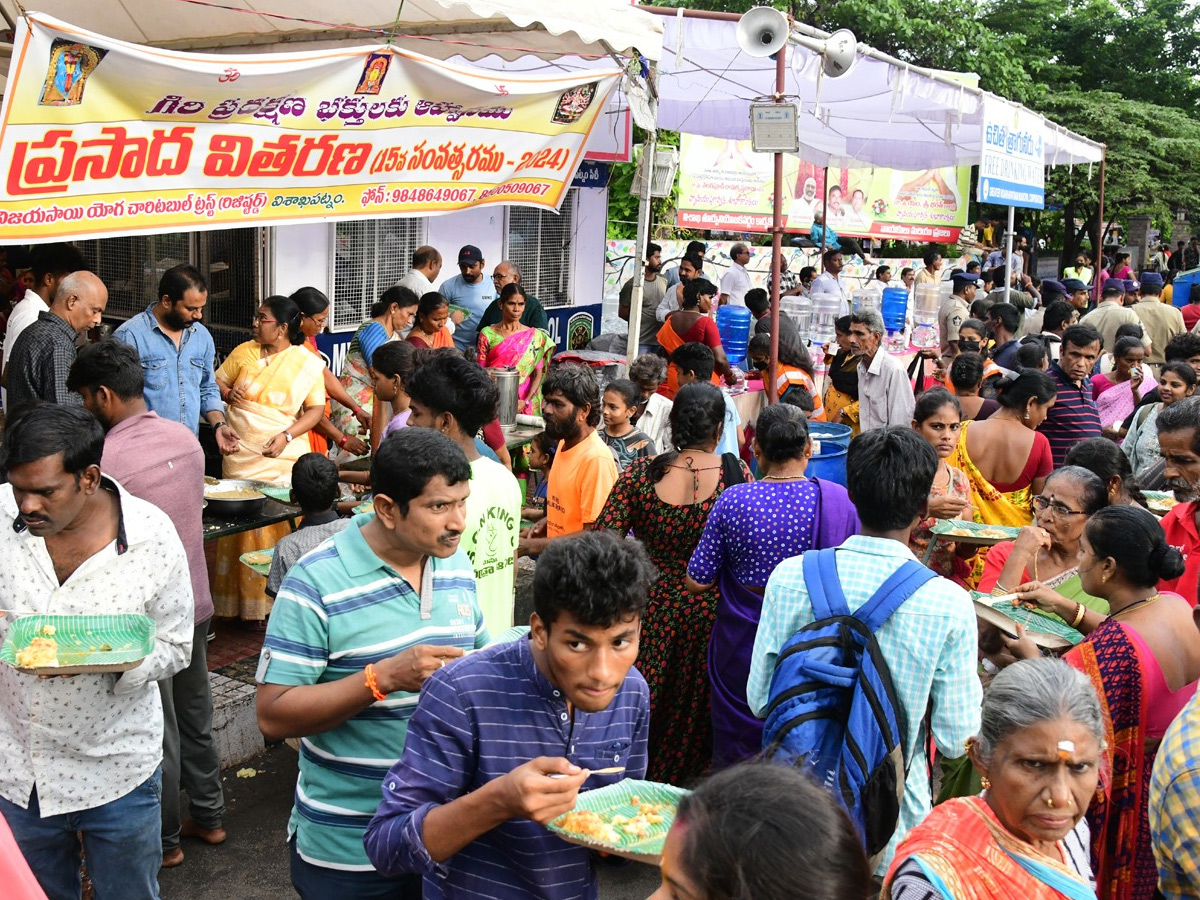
{"x": 1000, "y": 590}
{"x": 1078, "y": 614}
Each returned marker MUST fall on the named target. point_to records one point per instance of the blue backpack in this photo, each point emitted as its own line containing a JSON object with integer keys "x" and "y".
{"x": 832, "y": 708}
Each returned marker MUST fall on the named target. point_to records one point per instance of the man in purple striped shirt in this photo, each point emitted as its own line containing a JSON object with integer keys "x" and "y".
{"x": 503, "y": 741}
{"x": 1073, "y": 417}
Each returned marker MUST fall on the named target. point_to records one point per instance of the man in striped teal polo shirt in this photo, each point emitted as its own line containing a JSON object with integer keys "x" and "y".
{"x": 358, "y": 625}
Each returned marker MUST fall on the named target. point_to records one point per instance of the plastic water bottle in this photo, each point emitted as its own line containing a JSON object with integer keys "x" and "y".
{"x": 894, "y": 308}
{"x": 733, "y": 324}
{"x": 867, "y": 297}
{"x": 927, "y": 298}
{"x": 825, "y": 308}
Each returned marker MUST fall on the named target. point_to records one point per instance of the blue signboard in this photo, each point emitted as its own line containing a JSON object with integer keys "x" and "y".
{"x": 591, "y": 174}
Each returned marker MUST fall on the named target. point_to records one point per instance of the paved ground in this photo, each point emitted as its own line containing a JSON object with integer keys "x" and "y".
{"x": 253, "y": 863}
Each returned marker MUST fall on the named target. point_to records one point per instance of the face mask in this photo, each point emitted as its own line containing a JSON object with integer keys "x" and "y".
{"x": 968, "y": 346}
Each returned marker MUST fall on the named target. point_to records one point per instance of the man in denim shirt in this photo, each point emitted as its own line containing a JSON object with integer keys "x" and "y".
{"x": 177, "y": 355}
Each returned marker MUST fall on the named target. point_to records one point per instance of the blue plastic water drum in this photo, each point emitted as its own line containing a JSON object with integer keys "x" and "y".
{"x": 1183, "y": 287}
{"x": 733, "y": 324}
{"x": 894, "y": 308}
{"x": 830, "y": 444}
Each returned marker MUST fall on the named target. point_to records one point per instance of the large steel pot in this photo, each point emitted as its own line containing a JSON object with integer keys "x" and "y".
{"x": 508, "y": 381}
{"x": 247, "y": 508}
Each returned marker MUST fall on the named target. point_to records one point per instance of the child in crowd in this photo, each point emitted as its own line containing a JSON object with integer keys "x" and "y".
{"x": 314, "y": 490}
{"x": 392, "y": 366}
{"x": 541, "y": 458}
{"x": 801, "y": 399}
{"x": 620, "y": 402}
{"x": 648, "y": 371}
{"x": 1033, "y": 353}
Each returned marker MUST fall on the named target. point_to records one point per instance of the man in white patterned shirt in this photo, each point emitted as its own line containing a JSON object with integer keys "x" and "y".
{"x": 929, "y": 643}
{"x": 80, "y": 755}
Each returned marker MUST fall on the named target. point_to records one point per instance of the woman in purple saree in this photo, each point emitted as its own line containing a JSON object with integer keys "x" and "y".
{"x": 751, "y": 529}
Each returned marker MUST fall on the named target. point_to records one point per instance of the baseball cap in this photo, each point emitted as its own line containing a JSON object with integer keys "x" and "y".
{"x": 469, "y": 255}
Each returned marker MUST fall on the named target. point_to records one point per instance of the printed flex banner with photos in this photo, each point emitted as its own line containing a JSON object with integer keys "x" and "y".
{"x": 725, "y": 185}
{"x": 99, "y": 137}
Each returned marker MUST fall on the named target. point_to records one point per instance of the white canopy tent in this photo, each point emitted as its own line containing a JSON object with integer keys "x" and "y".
{"x": 884, "y": 112}
{"x": 439, "y": 28}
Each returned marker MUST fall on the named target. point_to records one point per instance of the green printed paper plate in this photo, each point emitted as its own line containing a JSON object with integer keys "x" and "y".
{"x": 975, "y": 532}
{"x": 639, "y": 841}
{"x": 113, "y": 643}
{"x": 1160, "y": 502}
{"x": 280, "y": 492}
{"x": 1046, "y": 629}
{"x": 259, "y": 560}
{"x": 365, "y": 507}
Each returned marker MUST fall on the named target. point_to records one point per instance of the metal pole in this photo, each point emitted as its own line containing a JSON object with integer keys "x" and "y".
{"x": 824, "y": 214}
{"x": 643, "y": 238}
{"x": 1012, "y": 215}
{"x": 776, "y": 238}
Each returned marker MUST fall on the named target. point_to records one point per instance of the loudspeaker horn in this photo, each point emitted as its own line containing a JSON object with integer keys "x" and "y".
{"x": 840, "y": 53}
{"x": 762, "y": 31}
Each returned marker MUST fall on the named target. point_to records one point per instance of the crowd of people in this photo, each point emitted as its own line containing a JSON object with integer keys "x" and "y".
{"x": 803, "y": 653}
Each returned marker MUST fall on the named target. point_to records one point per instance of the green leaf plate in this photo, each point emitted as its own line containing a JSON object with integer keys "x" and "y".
{"x": 617, "y": 800}
{"x": 1160, "y": 502}
{"x": 262, "y": 568}
{"x": 1046, "y": 629}
{"x": 280, "y": 492}
{"x": 975, "y": 532}
{"x": 129, "y": 637}
{"x": 367, "y": 506}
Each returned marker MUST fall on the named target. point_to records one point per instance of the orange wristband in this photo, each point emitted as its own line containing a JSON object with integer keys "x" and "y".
{"x": 372, "y": 682}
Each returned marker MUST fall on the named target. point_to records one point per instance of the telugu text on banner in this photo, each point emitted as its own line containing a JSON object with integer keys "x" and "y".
{"x": 100, "y": 137}
{"x": 725, "y": 185}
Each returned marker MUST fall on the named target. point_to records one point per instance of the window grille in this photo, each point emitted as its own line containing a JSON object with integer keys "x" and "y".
{"x": 230, "y": 259}
{"x": 369, "y": 256}
{"x": 539, "y": 242}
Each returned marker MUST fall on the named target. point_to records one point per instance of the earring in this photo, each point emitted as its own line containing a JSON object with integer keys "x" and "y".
{"x": 986, "y": 782}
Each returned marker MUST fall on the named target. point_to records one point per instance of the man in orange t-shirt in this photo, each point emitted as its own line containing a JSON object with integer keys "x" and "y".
{"x": 584, "y": 469}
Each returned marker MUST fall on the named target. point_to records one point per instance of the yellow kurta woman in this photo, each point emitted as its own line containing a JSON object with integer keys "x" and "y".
{"x": 274, "y": 390}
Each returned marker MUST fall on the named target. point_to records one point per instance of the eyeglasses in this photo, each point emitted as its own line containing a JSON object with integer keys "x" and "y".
{"x": 258, "y": 317}
{"x": 1055, "y": 507}
{"x": 321, "y": 322}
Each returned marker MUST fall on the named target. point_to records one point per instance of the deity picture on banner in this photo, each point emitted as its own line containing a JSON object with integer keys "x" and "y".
{"x": 69, "y": 67}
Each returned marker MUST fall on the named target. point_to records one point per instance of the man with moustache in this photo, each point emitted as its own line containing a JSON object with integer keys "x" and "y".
{"x": 690, "y": 267}
{"x": 1179, "y": 442}
{"x": 177, "y": 354}
{"x": 584, "y": 468}
{"x": 470, "y": 290}
{"x": 80, "y": 756}
{"x": 653, "y": 292}
{"x": 502, "y": 743}
{"x": 359, "y": 623}
{"x": 161, "y": 462}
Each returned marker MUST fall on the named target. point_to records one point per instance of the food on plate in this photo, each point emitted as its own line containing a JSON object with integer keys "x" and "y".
{"x": 234, "y": 494}
{"x": 613, "y": 827}
{"x": 589, "y": 824}
{"x": 258, "y": 558}
{"x": 1163, "y": 503}
{"x": 964, "y": 531}
{"x": 42, "y": 651}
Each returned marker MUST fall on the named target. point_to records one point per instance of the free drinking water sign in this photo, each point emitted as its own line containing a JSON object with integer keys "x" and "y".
{"x": 1012, "y": 164}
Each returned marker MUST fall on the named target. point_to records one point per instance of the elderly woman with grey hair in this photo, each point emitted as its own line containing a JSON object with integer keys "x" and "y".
{"x": 1039, "y": 752}
{"x": 885, "y": 394}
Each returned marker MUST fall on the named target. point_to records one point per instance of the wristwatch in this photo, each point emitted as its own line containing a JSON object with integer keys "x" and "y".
{"x": 287, "y": 437}
{"x": 220, "y": 424}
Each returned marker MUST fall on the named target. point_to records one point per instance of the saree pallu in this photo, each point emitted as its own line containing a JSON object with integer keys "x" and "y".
{"x": 966, "y": 854}
{"x": 356, "y": 379}
{"x": 737, "y": 732}
{"x": 992, "y": 506}
{"x": 1119, "y": 815}
{"x": 528, "y": 351}
{"x": 275, "y": 393}
{"x": 1116, "y": 404}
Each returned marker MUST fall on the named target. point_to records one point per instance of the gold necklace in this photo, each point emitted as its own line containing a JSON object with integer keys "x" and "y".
{"x": 783, "y": 478}
{"x": 1145, "y": 601}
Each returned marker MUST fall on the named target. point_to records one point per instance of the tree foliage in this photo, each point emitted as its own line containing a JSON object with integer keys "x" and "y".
{"x": 1122, "y": 72}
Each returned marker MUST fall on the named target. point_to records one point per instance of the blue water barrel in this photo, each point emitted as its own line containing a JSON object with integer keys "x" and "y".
{"x": 733, "y": 324}
{"x": 830, "y": 444}
{"x": 894, "y": 308}
{"x": 1184, "y": 282}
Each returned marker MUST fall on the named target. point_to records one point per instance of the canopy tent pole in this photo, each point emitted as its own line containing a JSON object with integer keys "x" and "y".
{"x": 776, "y": 237}
{"x": 1012, "y": 215}
{"x": 643, "y": 239}
{"x": 1098, "y": 252}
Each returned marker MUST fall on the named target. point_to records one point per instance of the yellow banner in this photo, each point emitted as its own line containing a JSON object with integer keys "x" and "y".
{"x": 99, "y": 137}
